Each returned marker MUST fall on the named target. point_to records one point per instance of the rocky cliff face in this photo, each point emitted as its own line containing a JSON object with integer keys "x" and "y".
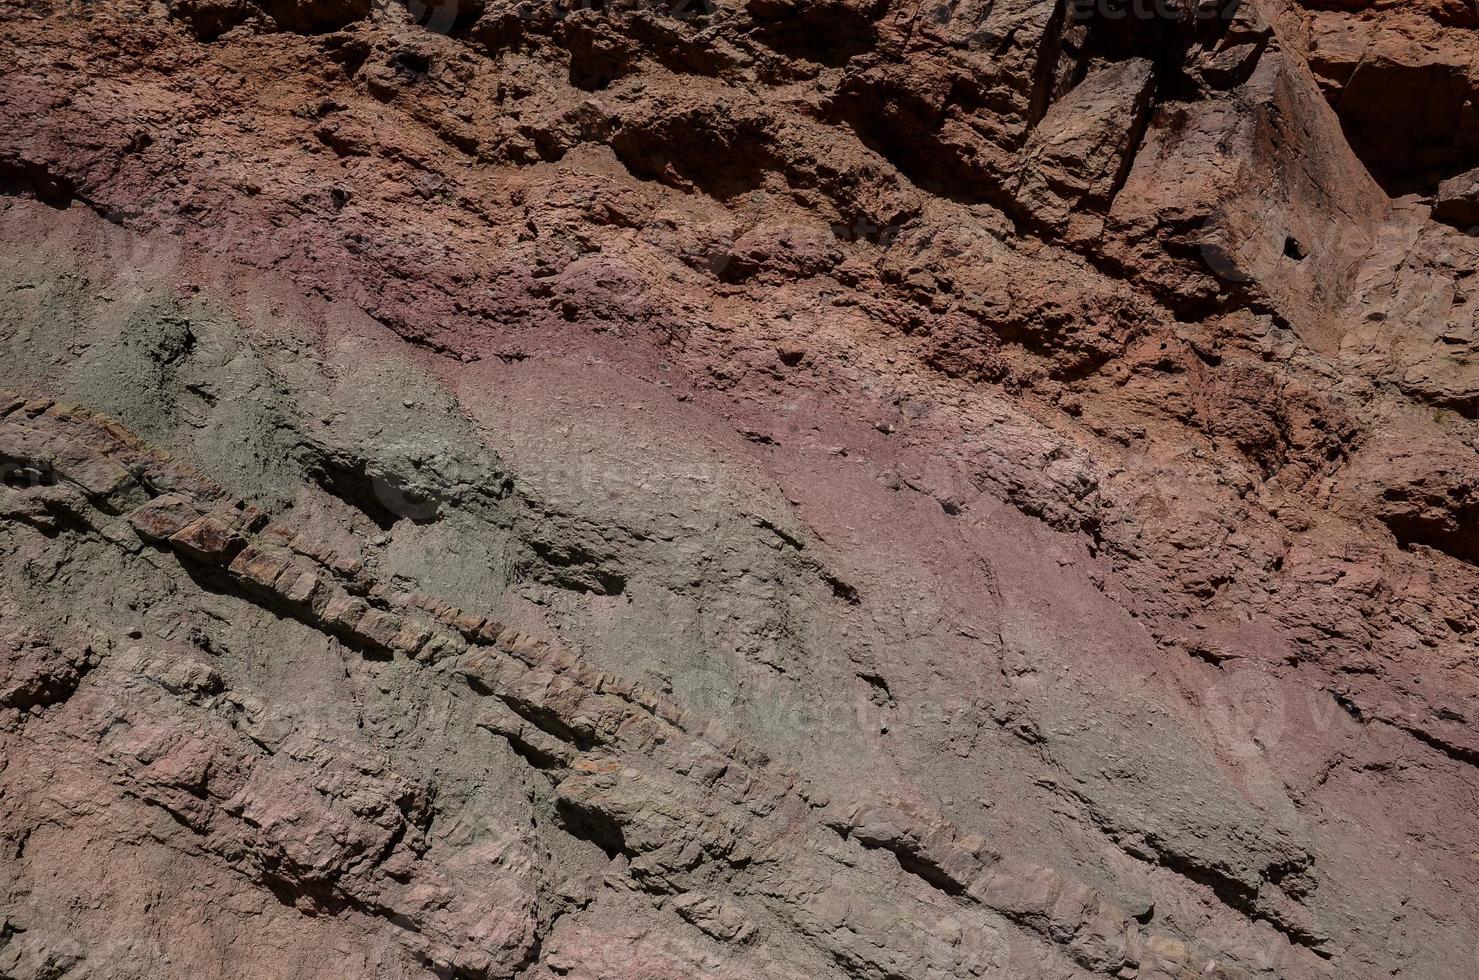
{"x": 609, "y": 489}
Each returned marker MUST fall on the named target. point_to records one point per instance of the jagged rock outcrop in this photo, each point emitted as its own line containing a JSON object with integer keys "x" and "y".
{"x": 866, "y": 488}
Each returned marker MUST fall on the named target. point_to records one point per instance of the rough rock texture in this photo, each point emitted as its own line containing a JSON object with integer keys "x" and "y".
{"x": 657, "y": 489}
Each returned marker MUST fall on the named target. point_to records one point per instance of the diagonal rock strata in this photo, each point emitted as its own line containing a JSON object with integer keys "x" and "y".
{"x": 993, "y": 483}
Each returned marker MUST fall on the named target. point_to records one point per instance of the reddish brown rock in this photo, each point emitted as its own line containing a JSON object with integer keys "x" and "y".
{"x": 1458, "y": 201}
{"x": 207, "y": 539}
{"x": 860, "y": 488}
{"x": 259, "y": 567}
{"x": 163, "y": 517}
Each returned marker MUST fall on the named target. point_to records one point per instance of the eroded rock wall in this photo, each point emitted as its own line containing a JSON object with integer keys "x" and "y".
{"x": 863, "y": 488}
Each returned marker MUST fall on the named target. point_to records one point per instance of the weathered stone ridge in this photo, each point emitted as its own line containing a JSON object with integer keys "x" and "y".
{"x": 665, "y": 489}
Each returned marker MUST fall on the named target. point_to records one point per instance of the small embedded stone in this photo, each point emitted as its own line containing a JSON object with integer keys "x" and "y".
{"x": 410, "y": 639}
{"x": 163, "y": 517}
{"x": 440, "y": 647}
{"x": 469, "y": 625}
{"x": 345, "y": 610}
{"x": 241, "y": 515}
{"x": 259, "y": 567}
{"x": 300, "y": 587}
{"x": 1458, "y": 200}
{"x": 207, "y": 539}
{"x": 111, "y": 486}
{"x": 379, "y": 628}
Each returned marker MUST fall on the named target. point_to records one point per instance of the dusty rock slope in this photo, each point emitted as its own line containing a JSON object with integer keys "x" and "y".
{"x": 611, "y": 489}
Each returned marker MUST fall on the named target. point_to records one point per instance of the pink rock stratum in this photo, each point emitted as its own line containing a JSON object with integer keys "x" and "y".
{"x": 783, "y": 489}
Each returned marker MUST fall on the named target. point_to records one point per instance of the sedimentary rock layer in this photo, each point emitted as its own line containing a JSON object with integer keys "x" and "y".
{"x": 863, "y": 488}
